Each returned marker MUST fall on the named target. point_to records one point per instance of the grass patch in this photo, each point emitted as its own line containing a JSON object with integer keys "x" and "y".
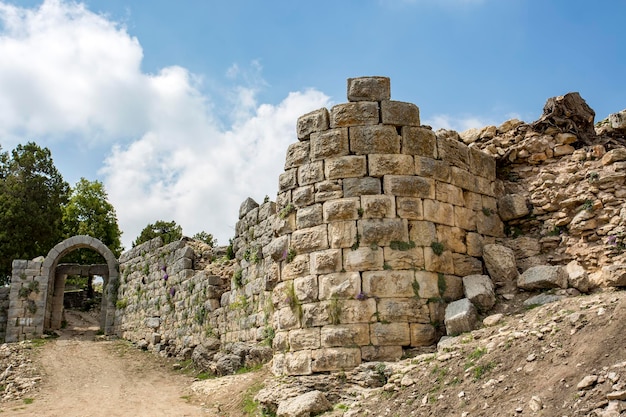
{"x": 400, "y": 245}
{"x": 437, "y": 248}
{"x": 28, "y": 400}
{"x": 249, "y": 406}
{"x": 479, "y": 371}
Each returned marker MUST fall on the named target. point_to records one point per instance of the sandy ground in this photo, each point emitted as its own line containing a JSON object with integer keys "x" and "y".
{"x": 84, "y": 378}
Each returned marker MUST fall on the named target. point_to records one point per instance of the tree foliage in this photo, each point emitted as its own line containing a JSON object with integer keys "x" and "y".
{"x": 206, "y": 238}
{"x": 32, "y": 194}
{"x": 89, "y": 212}
{"x": 169, "y": 232}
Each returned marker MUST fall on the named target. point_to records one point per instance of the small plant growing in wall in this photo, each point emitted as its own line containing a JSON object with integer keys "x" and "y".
{"x": 121, "y": 304}
{"x": 334, "y": 310}
{"x": 437, "y": 247}
{"x": 31, "y": 307}
{"x": 441, "y": 283}
{"x": 416, "y": 288}
{"x": 357, "y": 242}
{"x": 290, "y": 255}
{"x": 291, "y": 299}
{"x": 200, "y": 315}
{"x": 238, "y": 278}
{"x": 400, "y": 245}
{"x": 487, "y": 211}
{"x": 27, "y": 290}
{"x": 286, "y": 211}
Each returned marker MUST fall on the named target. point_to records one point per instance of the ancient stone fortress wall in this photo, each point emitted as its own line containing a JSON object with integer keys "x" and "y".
{"x": 380, "y": 220}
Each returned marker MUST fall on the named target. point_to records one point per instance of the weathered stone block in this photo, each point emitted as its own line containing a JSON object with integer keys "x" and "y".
{"x": 464, "y": 179}
{"x": 422, "y": 334}
{"x": 399, "y": 113}
{"x": 479, "y": 290}
{"x": 577, "y": 276}
{"x": 330, "y": 143}
{"x": 466, "y": 265}
{"x": 248, "y": 205}
{"x": 482, "y": 164}
{"x": 297, "y": 363}
{"x": 377, "y": 139}
{"x": 381, "y": 353}
{"x": 438, "y": 263}
{"x": 512, "y": 206}
{"x": 382, "y": 232}
{"x": 342, "y": 234}
{"x": 389, "y": 284}
{"x": 500, "y": 263}
{"x": 378, "y": 206}
{"x": 357, "y": 311}
{"x": 454, "y": 152}
{"x": 315, "y": 121}
{"x": 460, "y": 317}
{"x": 277, "y": 249}
{"x": 363, "y": 259}
{"x": 474, "y": 243}
{"x": 355, "y": 187}
{"x": 426, "y": 284}
{"x": 352, "y": 166}
{"x": 386, "y": 164}
{"x": 473, "y": 201}
{"x": 464, "y": 218}
{"x": 345, "y": 335}
{"x": 300, "y": 339}
{"x": 403, "y": 310}
{"x": 297, "y": 155}
{"x": 489, "y": 224}
{"x": 354, "y": 114}
{"x": 543, "y": 277}
{"x": 340, "y": 284}
{"x": 306, "y": 288}
{"x": 298, "y": 267}
{"x": 311, "y": 173}
{"x": 303, "y": 196}
{"x": 369, "y": 89}
{"x": 412, "y": 258}
{"x": 310, "y": 239}
{"x": 342, "y": 209}
{"x": 334, "y": 359}
{"x": 419, "y": 141}
{"x": 286, "y": 319}
{"x": 409, "y": 186}
{"x": 452, "y": 287}
{"x": 431, "y": 168}
{"x": 448, "y": 193}
{"x": 452, "y": 237}
{"x": 324, "y": 262}
{"x": 309, "y": 216}
{"x": 439, "y": 212}
{"x": 389, "y": 334}
{"x": 288, "y": 180}
{"x": 410, "y": 208}
{"x": 614, "y": 275}
{"x": 422, "y": 233}
{"x": 309, "y": 404}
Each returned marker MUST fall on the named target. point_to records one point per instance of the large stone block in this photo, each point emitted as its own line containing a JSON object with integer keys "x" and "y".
{"x": 342, "y": 234}
{"x": 473, "y": 200}
{"x": 311, "y": 173}
{"x": 386, "y": 164}
{"x": 315, "y": 121}
{"x": 411, "y": 309}
{"x": 542, "y": 277}
{"x": 390, "y": 334}
{"x": 411, "y": 258}
{"x": 577, "y": 276}
{"x": 452, "y": 287}
{"x": 378, "y": 206}
{"x": 345, "y": 335}
{"x": 310, "y": 239}
{"x": 512, "y": 206}
{"x": 340, "y": 285}
{"x": 297, "y": 363}
{"x": 300, "y": 339}
{"x": 303, "y": 196}
{"x": 466, "y": 265}
{"x": 410, "y": 208}
{"x": 297, "y": 155}
{"x": 500, "y": 263}
{"x": 354, "y": 114}
{"x": 389, "y": 284}
{"x": 377, "y": 139}
{"x": 286, "y": 319}
{"x": 409, "y": 186}
{"x": 448, "y": 193}
{"x": 306, "y": 288}
{"x": 298, "y": 267}
{"x": 423, "y": 233}
{"x": 311, "y": 403}
{"x": 363, "y": 259}
{"x": 464, "y": 179}
{"x": 335, "y": 359}
{"x": 354, "y": 187}
{"x": 431, "y": 168}
{"x": 288, "y": 180}
{"x": 309, "y": 216}
{"x": 369, "y": 89}
{"x": 482, "y": 164}
{"x": 381, "y": 353}
{"x": 452, "y": 237}
{"x": 247, "y": 206}
{"x": 357, "y": 311}
{"x": 454, "y": 152}
{"x": 614, "y": 275}
{"x": 460, "y": 317}
{"x": 399, "y": 113}
{"x": 419, "y": 141}
{"x": 479, "y": 290}
{"x": 438, "y": 212}
{"x": 325, "y": 262}
{"x": 346, "y": 167}
{"x": 342, "y": 209}
{"x": 330, "y": 143}
{"x": 423, "y": 334}
{"x": 465, "y": 218}
{"x": 382, "y": 232}
{"x": 434, "y": 262}
{"x": 426, "y": 284}
{"x": 489, "y": 224}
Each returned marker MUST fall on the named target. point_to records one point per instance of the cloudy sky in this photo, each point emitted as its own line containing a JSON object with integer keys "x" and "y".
{"x": 184, "y": 109}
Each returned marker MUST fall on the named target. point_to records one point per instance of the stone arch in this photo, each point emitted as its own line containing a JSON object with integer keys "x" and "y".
{"x": 110, "y": 285}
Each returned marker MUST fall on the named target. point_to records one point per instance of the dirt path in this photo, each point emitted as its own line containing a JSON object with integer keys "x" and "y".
{"x": 106, "y": 378}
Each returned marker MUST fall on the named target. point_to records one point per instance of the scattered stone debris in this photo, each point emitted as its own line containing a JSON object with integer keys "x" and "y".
{"x": 18, "y": 373}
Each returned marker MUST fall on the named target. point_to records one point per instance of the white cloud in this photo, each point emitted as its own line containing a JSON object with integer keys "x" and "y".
{"x": 69, "y": 73}
{"x": 458, "y": 123}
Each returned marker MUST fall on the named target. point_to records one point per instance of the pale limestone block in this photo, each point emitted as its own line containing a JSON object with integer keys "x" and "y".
{"x": 565, "y": 138}
{"x": 482, "y": 164}
{"x": 451, "y": 288}
{"x": 452, "y": 237}
{"x": 277, "y": 249}
{"x": 426, "y": 284}
{"x": 422, "y": 334}
{"x": 438, "y": 263}
{"x": 325, "y": 262}
{"x": 363, "y": 258}
{"x": 286, "y": 319}
{"x": 474, "y": 243}
{"x": 410, "y": 309}
{"x": 328, "y": 185}
{"x": 473, "y": 201}
{"x": 577, "y": 276}
{"x": 288, "y": 180}
{"x": 278, "y": 364}
{"x": 342, "y": 234}
{"x": 464, "y": 179}
{"x": 369, "y": 89}
{"x": 449, "y": 193}
{"x": 335, "y": 359}
{"x": 354, "y": 114}
{"x": 378, "y": 206}
{"x": 432, "y": 168}
{"x": 454, "y": 152}
{"x": 280, "y": 343}
{"x": 489, "y": 225}
{"x": 342, "y": 209}
{"x": 308, "y": 404}
{"x": 512, "y": 206}
{"x": 466, "y": 265}
{"x": 330, "y": 143}
{"x": 345, "y": 335}
{"x": 500, "y": 263}
{"x": 386, "y": 164}
{"x": 382, "y": 232}
{"x": 399, "y": 113}
{"x": 283, "y": 199}
{"x": 340, "y": 284}
{"x": 301, "y": 339}
{"x": 460, "y": 317}
{"x": 480, "y": 291}
{"x": 310, "y": 239}
{"x": 381, "y": 353}
{"x": 423, "y": 233}
{"x": 315, "y": 314}
{"x": 410, "y": 208}
{"x": 561, "y": 150}
{"x": 297, "y": 155}
{"x": 543, "y": 277}
{"x": 355, "y": 187}
{"x": 412, "y": 258}
{"x": 377, "y": 139}
{"x": 389, "y": 284}
{"x": 297, "y": 363}
{"x": 351, "y": 166}
{"x": 315, "y": 121}
{"x": 305, "y": 288}
{"x": 409, "y": 186}
{"x": 357, "y": 311}
{"x": 311, "y": 173}
{"x": 298, "y": 267}
{"x": 419, "y": 141}
{"x": 389, "y": 334}
{"x": 464, "y": 218}
{"x": 303, "y": 196}
{"x": 439, "y": 212}
{"x": 309, "y": 216}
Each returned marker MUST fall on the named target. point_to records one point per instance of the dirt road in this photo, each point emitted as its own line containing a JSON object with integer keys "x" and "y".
{"x": 83, "y": 378}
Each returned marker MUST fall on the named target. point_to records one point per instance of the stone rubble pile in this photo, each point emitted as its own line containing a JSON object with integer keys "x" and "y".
{"x": 18, "y": 374}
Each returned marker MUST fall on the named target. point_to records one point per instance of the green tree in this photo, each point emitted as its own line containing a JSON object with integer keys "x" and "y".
{"x": 32, "y": 194}
{"x": 89, "y": 212}
{"x": 206, "y": 238}
{"x": 169, "y": 231}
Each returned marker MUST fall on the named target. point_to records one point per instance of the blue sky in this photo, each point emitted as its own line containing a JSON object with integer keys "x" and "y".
{"x": 183, "y": 109}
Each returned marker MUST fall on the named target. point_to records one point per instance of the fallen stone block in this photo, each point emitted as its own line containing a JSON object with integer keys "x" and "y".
{"x": 542, "y": 277}
{"x": 460, "y": 317}
{"x": 479, "y": 290}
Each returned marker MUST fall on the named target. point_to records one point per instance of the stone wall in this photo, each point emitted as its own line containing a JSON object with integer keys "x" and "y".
{"x": 27, "y": 297}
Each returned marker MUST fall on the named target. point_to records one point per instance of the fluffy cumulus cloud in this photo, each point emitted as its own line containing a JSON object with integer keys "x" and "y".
{"x": 69, "y": 73}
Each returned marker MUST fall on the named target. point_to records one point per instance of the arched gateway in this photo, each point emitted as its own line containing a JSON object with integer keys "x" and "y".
{"x": 36, "y": 297}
